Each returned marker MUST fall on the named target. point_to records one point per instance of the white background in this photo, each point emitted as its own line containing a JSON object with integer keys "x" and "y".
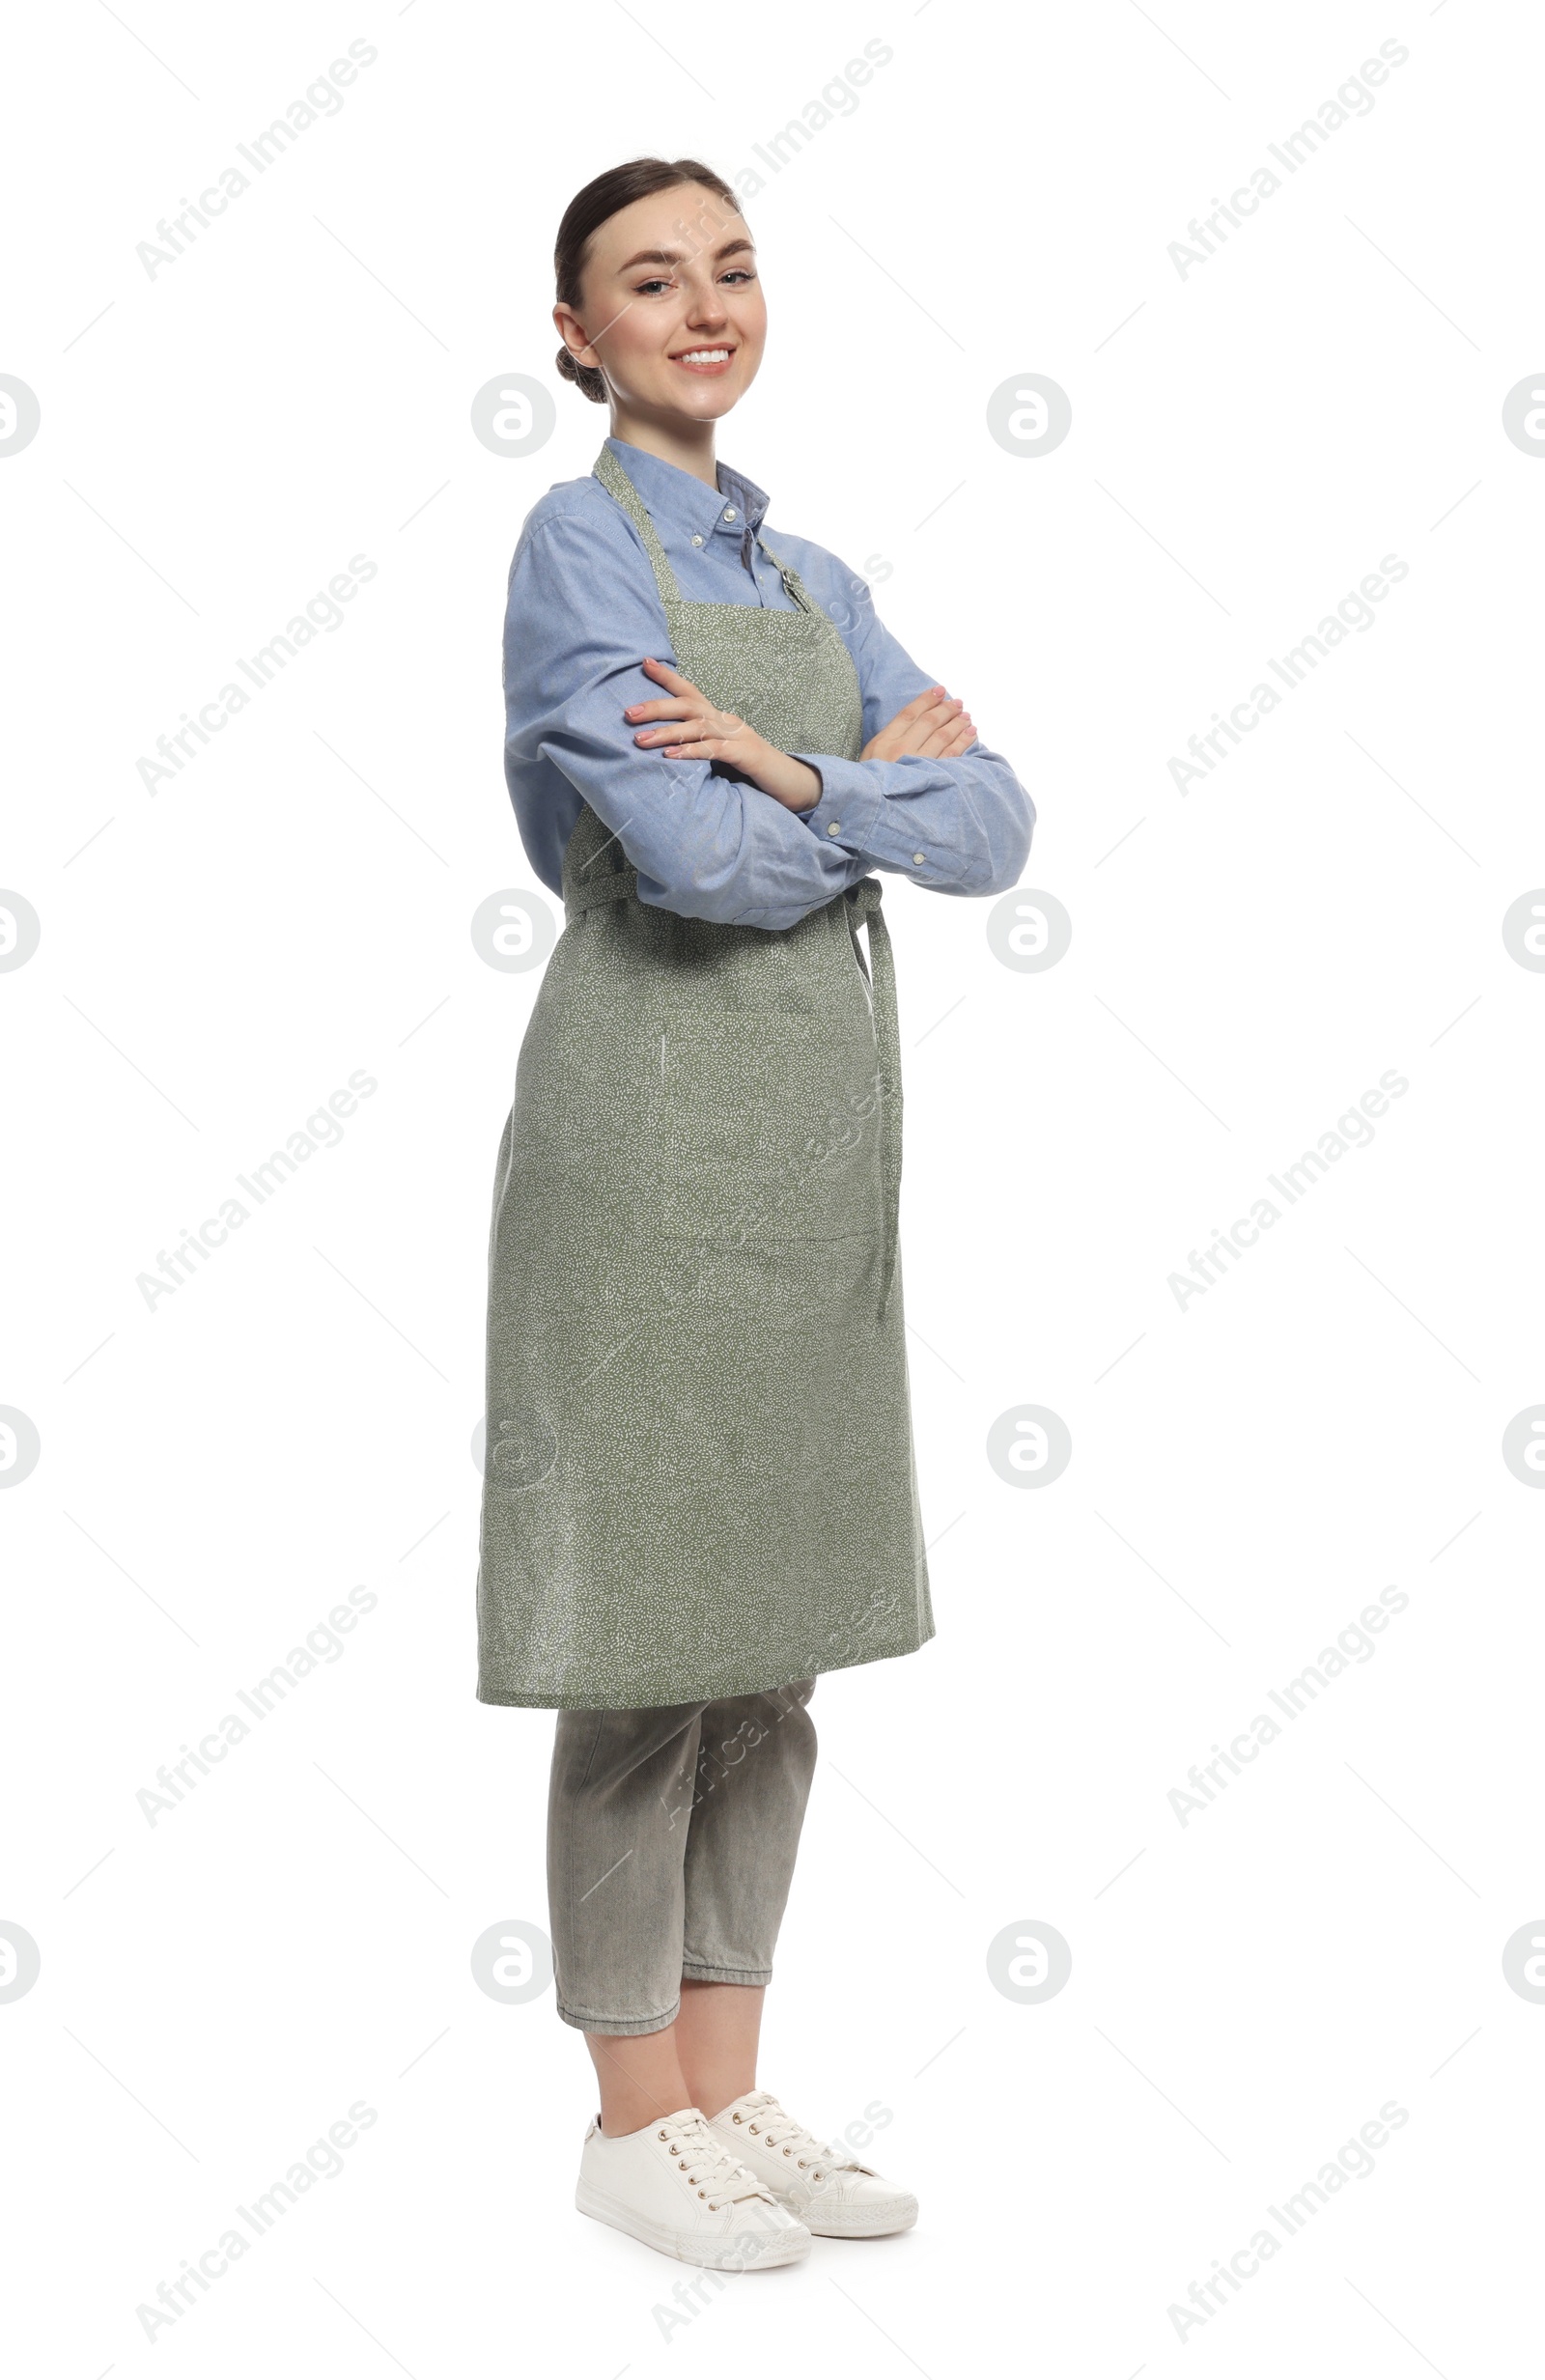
{"x": 1247, "y": 958}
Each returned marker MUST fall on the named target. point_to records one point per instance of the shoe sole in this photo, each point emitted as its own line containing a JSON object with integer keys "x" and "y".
{"x": 621, "y": 2217}
{"x": 881, "y": 2223}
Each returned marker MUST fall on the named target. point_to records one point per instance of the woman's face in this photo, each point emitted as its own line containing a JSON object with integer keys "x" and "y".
{"x": 671, "y": 309}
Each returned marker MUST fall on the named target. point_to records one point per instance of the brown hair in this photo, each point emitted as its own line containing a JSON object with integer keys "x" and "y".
{"x": 594, "y": 204}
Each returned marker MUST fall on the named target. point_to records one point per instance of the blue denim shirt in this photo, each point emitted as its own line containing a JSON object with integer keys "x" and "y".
{"x": 584, "y": 612}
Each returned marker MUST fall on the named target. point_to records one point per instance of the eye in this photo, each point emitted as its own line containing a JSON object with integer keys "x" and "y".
{"x": 644, "y": 288}
{"x": 738, "y": 272}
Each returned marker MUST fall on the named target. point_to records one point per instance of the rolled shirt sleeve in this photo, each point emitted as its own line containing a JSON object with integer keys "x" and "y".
{"x": 582, "y": 615}
{"x": 959, "y": 825}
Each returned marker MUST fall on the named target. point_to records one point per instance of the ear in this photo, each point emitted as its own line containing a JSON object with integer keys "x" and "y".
{"x": 572, "y": 331}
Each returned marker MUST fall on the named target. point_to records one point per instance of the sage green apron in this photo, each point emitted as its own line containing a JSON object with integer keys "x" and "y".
{"x": 699, "y": 1478}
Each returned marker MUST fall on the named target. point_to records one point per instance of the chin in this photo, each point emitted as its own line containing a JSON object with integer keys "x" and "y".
{"x": 706, "y": 403}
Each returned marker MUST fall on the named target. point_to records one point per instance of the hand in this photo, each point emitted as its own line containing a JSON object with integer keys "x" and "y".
{"x": 933, "y": 725}
{"x": 703, "y": 732}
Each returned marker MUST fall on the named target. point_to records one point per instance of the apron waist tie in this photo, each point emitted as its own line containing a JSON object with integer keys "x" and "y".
{"x": 592, "y": 891}
{"x": 864, "y": 907}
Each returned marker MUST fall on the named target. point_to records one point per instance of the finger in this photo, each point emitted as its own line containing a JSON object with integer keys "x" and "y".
{"x": 919, "y": 704}
{"x": 909, "y": 713}
{"x": 937, "y": 717}
{"x": 669, "y": 707}
{"x": 669, "y": 677}
{"x": 682, "y": 730}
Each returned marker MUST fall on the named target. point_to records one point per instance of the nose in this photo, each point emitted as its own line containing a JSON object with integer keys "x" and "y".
{"x": 708, "y": 308}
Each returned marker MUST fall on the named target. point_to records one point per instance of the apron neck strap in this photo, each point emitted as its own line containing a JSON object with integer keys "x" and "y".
{"x": 793, "y": 583}
{"x": 616, "y": 482}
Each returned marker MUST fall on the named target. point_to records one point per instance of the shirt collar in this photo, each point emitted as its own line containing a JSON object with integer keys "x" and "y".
{"x": 677, "y": 501}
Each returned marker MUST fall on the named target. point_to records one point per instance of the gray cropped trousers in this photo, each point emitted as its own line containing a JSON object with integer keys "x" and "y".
{"x": 672, "y": 1841}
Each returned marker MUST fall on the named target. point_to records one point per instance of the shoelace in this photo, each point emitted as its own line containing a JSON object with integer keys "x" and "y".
{"x": 713, "y": 2171}
{"x": 775, "y": 2128}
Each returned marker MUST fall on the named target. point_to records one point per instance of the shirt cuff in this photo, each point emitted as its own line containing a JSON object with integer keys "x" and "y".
{"x": 850, "y": 802}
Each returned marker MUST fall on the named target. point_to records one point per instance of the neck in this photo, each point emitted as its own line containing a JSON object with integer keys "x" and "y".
{"x": 688, "y": 444}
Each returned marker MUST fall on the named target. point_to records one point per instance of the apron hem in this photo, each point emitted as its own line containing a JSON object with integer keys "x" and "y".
{"x": 727, "y": 1688}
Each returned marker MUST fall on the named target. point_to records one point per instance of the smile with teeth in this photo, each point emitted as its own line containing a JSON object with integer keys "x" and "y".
{"x": 703, "y": 358}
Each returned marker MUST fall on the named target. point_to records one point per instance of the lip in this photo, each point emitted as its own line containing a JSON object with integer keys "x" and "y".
{"x": 707, "y": 372}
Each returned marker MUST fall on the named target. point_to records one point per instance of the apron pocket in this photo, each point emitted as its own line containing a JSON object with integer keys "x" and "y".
{"x": 764, "y": 1123}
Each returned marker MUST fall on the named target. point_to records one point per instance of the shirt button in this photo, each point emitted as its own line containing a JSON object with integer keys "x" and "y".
{"x": 730, "y": 513}
{"x": 835, "y": 828}
{"x": 917, "y": 859}
{"x": 697, "y": 541}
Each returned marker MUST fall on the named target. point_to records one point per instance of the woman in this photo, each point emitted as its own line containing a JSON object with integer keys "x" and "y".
{"x": 699, "y": 1491}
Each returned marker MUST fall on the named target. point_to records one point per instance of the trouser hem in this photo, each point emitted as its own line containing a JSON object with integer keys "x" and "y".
{"x": 619, "y": 2024}
{"x": 692, "y": 1973}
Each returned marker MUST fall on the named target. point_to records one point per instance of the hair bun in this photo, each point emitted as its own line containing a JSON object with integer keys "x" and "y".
{"x": 585, "y": 377}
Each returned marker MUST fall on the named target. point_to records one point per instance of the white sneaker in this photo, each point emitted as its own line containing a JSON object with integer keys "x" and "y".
{"x": 831, "y": 2193}
{"x": 675, "y": 2187}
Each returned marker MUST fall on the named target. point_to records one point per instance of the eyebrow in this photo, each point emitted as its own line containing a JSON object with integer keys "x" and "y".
{"x": 674, "y": 256}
